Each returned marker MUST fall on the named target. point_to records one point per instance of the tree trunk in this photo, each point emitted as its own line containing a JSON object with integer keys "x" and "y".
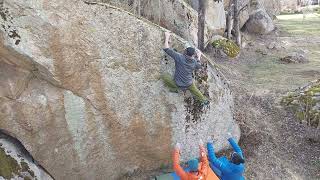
{"x": 201, "y": 24}
{"x": 237, "y": 23}
{"x": 229, "y": 20}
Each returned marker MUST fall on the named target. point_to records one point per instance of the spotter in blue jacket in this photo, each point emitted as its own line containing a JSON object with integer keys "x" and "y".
{"x": 225, "y": 169}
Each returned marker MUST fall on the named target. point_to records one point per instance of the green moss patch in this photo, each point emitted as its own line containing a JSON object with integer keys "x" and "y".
{"x": 305, "y": 103}
{"x": 229, "y": 47}
{"x": 9, "y": 166}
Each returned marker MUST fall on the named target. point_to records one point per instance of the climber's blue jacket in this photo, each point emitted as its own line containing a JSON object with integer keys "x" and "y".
{"x": 228, "y": 170}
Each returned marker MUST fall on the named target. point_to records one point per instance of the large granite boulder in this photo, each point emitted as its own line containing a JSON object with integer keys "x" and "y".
{"x": 80, "y": 89}
{"x": 259, "y": 23}
{"x": 247, "y": 7}
{"x": 273, "y": 7}
{"x": 215, "y": 15}
{"x": 176, "y": 16}
{"x": 244, "y": 5}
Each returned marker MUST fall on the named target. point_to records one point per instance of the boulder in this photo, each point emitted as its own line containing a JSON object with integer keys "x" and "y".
{"x": 176, "y": 16}
{"x": 259, "y": 22}
{"x": 81, "y": 89}
{"x": 216, "y": 17}
{"x": 273, "y": 7}
{"x": 245, "y": 10}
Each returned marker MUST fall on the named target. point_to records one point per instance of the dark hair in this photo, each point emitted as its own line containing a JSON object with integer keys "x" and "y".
{"x": 236, "y": 159}
{"x": 190, "y": 51}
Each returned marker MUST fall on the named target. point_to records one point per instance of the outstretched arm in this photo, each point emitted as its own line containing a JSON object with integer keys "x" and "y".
{"x": 235, "y": 146}
{"x": 203, "y": 158}
{"x": 212, "y": 157}
{"x": 167, "y": 48}
{"x": 166, "y": 39}
{"x": 176, "y": 163}
{"x": 199, "y": 60}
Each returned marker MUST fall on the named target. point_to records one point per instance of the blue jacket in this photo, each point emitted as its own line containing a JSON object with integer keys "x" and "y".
{"x": 228, "y": 170}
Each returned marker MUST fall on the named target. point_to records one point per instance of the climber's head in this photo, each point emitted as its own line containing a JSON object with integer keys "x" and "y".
{"x": 193, "y": 164}
{"x": 190, "y": 51}
{"x": 236, "y": 158}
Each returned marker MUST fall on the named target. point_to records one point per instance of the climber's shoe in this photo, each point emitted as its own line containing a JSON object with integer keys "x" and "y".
{"x": 205, "y": 103}
{"x": 173, "y": 90}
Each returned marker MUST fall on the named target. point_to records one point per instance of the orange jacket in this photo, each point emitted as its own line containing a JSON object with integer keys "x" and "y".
{"x": 204, "y": 172}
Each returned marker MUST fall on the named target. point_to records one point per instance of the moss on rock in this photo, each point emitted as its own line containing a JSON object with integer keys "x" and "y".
{"x": 229, "y": 47}
{"x": 9, "y": 166}
{"x": 305, "y": 103}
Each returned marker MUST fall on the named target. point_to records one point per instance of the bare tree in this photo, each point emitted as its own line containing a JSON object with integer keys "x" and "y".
{"x": 229, "y": 20}
{"x": 237, "y": 23}
{"x": 201, "y": 23}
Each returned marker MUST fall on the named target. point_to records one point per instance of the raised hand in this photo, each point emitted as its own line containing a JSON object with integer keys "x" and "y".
{"x": 178, "y": 146}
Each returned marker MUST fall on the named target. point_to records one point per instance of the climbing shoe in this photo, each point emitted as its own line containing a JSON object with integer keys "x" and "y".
{"x": 205, "y": 103}
{"x": 173, "y": 90}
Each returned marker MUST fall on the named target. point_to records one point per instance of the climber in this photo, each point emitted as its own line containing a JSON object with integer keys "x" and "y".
{"x": 225, "y": 169}
{"x": 185, "y": 64}
{"x": 197, "y": 170}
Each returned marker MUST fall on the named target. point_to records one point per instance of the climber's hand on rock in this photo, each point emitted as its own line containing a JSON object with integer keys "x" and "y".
{"x": 200, "y": 142}
{"x": 167, "y": 38}
{"x": 167, "y": 35}
{"x": 178, "y": 146}
{"x": 229, "y": 135}
{"x": 199, "y": 53}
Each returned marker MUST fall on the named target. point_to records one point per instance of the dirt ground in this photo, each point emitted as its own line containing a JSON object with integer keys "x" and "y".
{"x": 275, "y": 144}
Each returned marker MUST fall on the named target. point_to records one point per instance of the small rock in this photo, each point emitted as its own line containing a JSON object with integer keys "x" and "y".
{"x": 294, "y": 58}
{"x": 250, "y": 43}
{"x": 272, "y": 45}
{"x": 262, "y": 51}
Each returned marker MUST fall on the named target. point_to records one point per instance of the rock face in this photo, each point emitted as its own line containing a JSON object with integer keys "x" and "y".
{"x": 215, "y": 16}
{"x": 244, "y": 5}
{"x": 259, "y": 23}
{"x": 80, "y": 89}
{"x": 272, "y": 7}
{"x": 176, "y": 16}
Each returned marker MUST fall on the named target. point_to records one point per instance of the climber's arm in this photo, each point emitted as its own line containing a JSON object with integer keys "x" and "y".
{"x": 235, "y": 146}
{"x": 198, "y": 59}
{"x": 213, "y": 159}
{"x": 203, "y": 158}
{"x": 175, "y": 55}
{"x": 176, "y": 164}
{"x": 166, "y": 39}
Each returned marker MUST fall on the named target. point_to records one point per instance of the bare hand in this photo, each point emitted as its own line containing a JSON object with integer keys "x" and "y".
{"x": 167, "y": 34}
{"x": 178, "y": 146}
{"x": 229, "y": 135}
{"x": 200, "y": 142}
{"x": 199, "y": 53}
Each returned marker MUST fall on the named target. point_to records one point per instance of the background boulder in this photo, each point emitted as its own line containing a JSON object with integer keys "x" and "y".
{"x": 259, "y": 23}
